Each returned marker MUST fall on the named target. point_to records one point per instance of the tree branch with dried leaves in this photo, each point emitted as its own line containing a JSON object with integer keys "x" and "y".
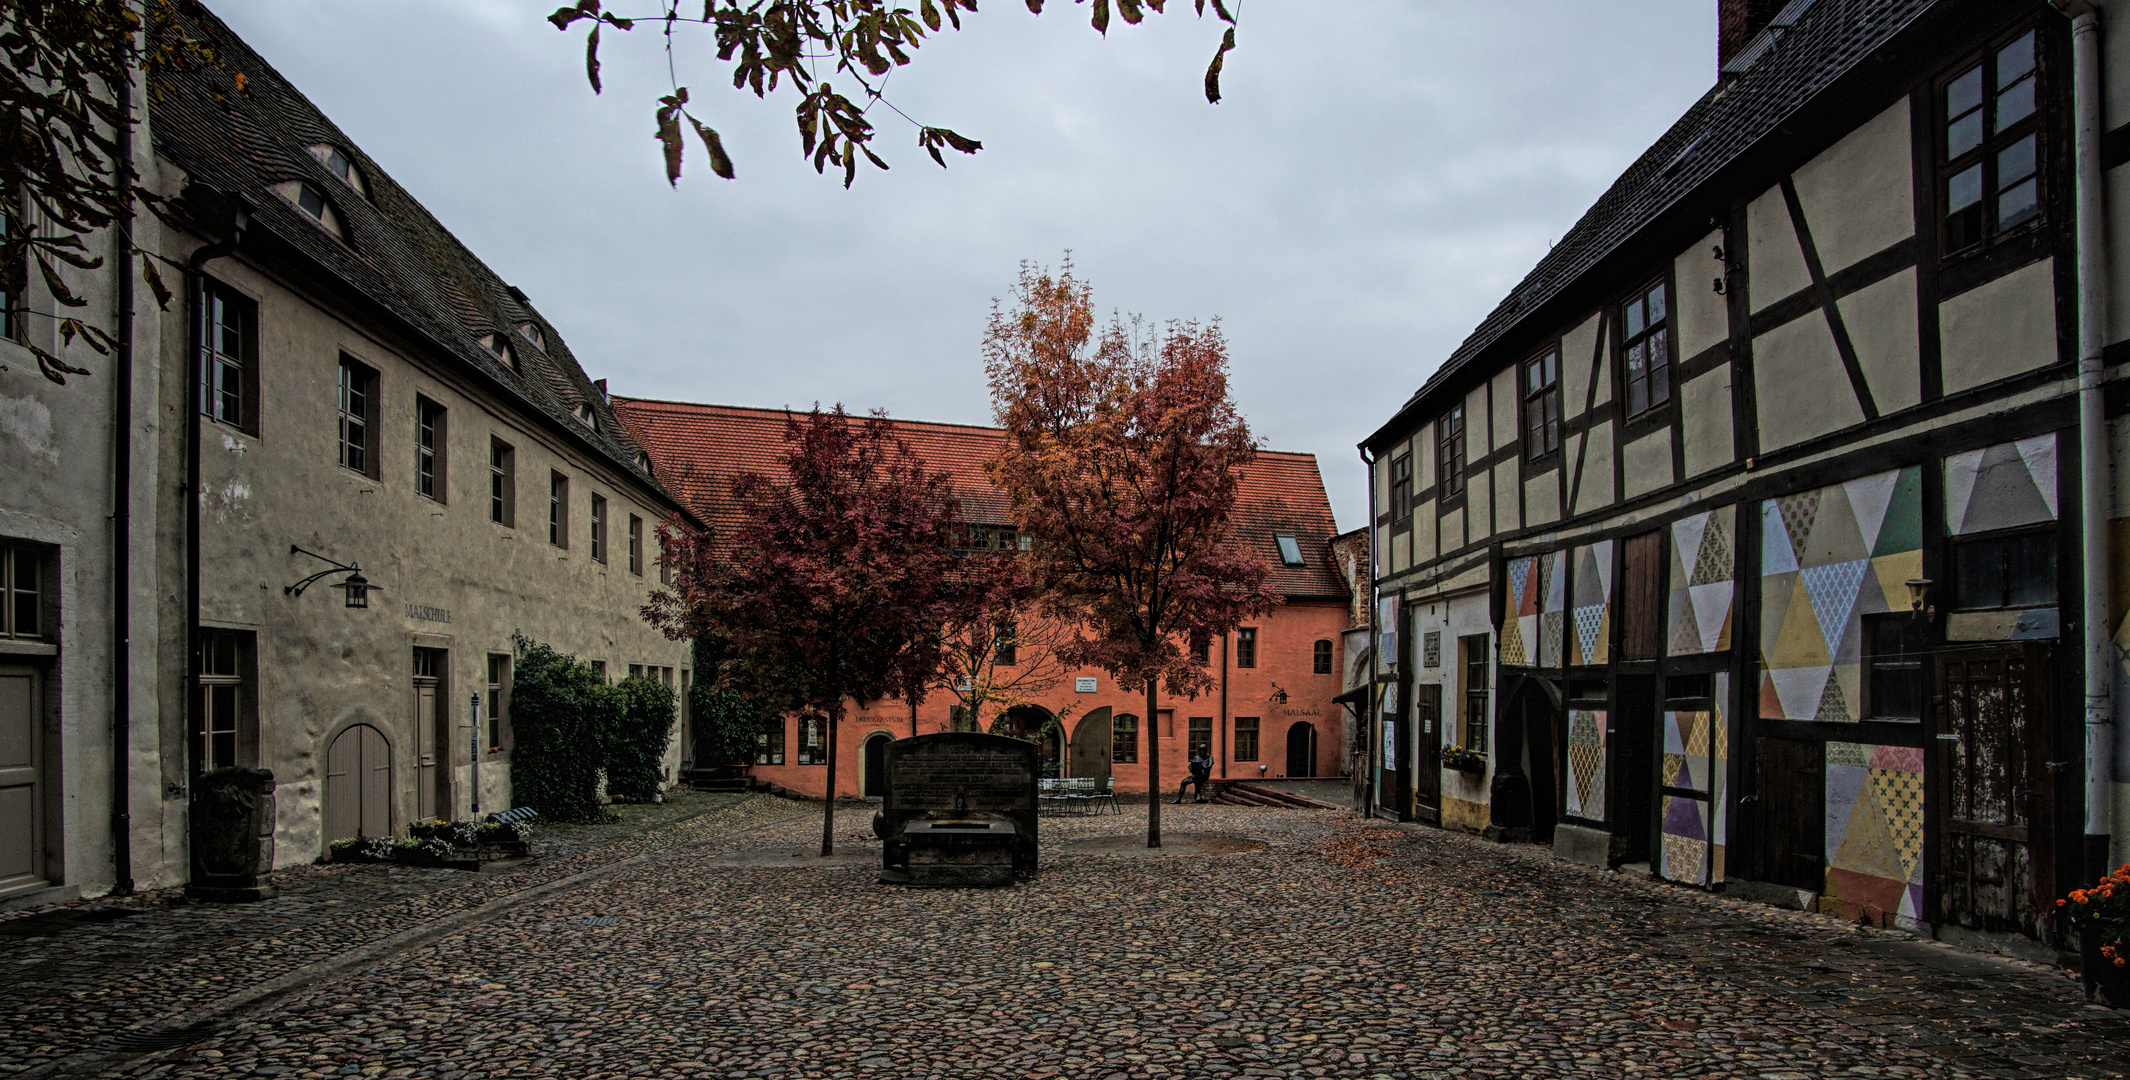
{"x": 770, "y": 42}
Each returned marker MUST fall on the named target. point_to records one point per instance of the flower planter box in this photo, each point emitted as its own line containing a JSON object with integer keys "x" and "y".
{"x": 2099, "y": 973}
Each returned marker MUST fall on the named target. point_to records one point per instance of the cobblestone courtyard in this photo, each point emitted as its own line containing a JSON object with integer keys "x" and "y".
{"x": 1260, "y": 943}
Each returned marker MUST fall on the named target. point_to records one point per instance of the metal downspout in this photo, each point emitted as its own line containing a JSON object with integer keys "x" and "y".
{"x": 1368, "y": 737}
{"x": 2095, "y": 482}
{"x": 196, "y": 388}
{"x": 122, "y": 513}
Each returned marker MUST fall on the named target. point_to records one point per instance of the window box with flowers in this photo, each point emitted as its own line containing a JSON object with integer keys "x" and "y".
{"x": 2101, "y": 913}
{"x": 1464, "y": 760}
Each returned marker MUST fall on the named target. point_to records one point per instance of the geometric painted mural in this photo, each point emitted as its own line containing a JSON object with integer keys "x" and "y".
{"x": 1696, "y": 757}
{"x": 2001, "y": 487}
{"x": 1519, "y": 624}
{"x": 1829, "y": 557}
{"x": 1586, "y": 764}
{"x": 1702, "y": 549}
{"x": 1552, "y": 607}
{"x": 1874, "y": 832}
{"x": 1592, "y": 610}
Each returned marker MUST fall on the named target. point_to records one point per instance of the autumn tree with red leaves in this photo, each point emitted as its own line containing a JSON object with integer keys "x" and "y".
{"x": 835, "y": 583}
{"x": 1123, "y": 456}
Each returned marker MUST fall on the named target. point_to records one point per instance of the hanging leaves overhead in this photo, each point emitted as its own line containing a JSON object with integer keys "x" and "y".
{"x": 806, "y": 42}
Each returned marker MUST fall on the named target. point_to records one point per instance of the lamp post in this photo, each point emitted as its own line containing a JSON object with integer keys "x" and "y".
{"x": 475, "y": 810}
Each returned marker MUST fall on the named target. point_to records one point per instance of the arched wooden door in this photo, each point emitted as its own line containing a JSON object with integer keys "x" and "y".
{"x": 1090, "y": 755}
{"x": 1301, "y": 749}
{"x": 875, "y": 779}
{"x": 358, "y": 784}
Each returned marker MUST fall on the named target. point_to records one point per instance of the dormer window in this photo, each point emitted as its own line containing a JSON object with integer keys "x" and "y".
{"x": 531, "y": 332}
{"x": 643, "y": 462}
{"x": 313, "y": 203}
{"x": 494, "y": 343}
{"x": 584, "y": 416}
{"x": 339, "y": 164}
{"x": 1290, "y": 551}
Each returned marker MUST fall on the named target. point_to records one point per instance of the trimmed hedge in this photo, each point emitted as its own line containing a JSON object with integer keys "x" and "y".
{"x": 636, "y": 744}
{"x": 563, "y": 716}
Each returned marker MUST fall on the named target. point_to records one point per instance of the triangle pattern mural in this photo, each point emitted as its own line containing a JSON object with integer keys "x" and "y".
{"x": 1874, "y": 832}
{"x": 1837, "y": 545}
{"x": 1515, "y": 631}
{"x": 2001, "y": 487}
{"x": 1701, "y": 568}
{"x": 1593, "y": 604}
{"x": 1586, "y": 764}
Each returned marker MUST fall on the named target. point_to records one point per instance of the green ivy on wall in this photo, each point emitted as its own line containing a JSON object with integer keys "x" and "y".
{"x": 636, "y": 744}
{"x": 562, "y": 715}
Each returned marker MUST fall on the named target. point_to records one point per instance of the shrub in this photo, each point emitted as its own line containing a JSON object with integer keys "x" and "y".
{"x": 562, "y": 714}
{"x": 636, "y": 744}
{"x": 727, "y": 725}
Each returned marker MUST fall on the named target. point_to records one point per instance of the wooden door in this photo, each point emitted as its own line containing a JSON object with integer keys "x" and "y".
{"x": 358, "y": 784}
{"x": 1787, "y": 813}
{"x": 1301, "y": 749}
{"x": 21, "y": 766}
{"x": 427, "y": 771}
{"x": 1642, "y": 565}
{"x": 876, "y": 765}
{"x": 1995, "y": 865}
{"x": 1090, "y": 753}
{"x": 1427, "y": 758}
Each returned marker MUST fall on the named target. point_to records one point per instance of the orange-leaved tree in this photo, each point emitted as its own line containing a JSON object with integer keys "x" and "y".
{"x": 1123, "y": 456}
{"x": 834, "y": 584}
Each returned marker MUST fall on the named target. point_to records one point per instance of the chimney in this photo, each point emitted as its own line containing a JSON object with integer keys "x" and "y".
{"x": 1737, "y": 23}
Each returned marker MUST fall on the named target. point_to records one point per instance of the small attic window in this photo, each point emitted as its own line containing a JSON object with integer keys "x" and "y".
{"x": 643, "y": 462}
{"x": 531, "y": 332}
{"x": 339, "y": 164}
{"x": 494, "y": 343}
{"x": 313, "y": 203}
{"x": 1290, "y": 552}
{"x": 584, "y": 416}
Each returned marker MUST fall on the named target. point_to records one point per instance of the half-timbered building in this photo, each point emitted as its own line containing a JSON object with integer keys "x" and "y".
{"x": 1757, "y": 540}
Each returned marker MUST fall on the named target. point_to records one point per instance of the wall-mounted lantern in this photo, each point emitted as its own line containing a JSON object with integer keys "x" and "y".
{"x": 356, "y": 586}
{"x": 1919, "y": 597}
{"x": 1278, "y": 695}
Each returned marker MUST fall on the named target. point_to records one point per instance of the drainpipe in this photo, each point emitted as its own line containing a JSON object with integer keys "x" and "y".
{"x": 195, "y": 382}
{"x": 122, "y": 513}
{"x": 1225, "y": 750}
{"x": 1368, "y": 736}
{"x": 2095, "y": 483}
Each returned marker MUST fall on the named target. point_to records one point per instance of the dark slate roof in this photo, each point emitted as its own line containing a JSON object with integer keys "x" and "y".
{"x": 701, "y": 449}
{"x": 394, "y": 252}
{"x": 1797, "y": 62}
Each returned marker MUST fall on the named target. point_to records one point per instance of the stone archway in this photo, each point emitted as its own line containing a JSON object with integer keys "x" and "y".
{"x": 358, "y": 784}
{"x": 1301, "y": 749}
{"x": 1032, "y": 723}
{"x": 1092, "y": 752}
{"x": 872, "y": 780}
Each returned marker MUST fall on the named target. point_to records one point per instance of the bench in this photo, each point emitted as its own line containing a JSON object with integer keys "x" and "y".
{"x": 1076, "y": 795}
{"x": 520, "y": 813}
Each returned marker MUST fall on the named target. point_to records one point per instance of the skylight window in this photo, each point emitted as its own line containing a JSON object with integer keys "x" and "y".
{"x": 1290, "y": 551}
{"x": 339, "y": 164}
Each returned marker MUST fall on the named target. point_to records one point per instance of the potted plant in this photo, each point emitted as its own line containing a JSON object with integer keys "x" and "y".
{"x": 2102, "y": 914}
{"x": 1464, "y": 760}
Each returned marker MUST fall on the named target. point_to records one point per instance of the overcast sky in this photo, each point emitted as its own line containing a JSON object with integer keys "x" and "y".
{"x": 1378, "y": 175}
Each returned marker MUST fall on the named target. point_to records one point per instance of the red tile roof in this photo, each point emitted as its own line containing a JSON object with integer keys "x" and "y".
{"x": 697, "y": 451}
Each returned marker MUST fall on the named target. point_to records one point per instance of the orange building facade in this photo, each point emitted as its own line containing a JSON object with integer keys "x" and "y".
{"x": 1269, "y": 715}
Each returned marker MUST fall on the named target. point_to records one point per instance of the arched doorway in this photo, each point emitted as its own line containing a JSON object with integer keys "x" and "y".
{"x": 1091, "y": 753}
{"x": 1033, "y": 723}
{"x": 358, "y": 784}
{"x": 1526, "y": 793}
{"x": 1301, "y": 749}
{"x": 874, "y": 781}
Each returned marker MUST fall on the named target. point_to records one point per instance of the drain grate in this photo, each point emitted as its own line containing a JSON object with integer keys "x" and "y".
{"x": 602, "y": 920}
{"x": 145, "y": 1039}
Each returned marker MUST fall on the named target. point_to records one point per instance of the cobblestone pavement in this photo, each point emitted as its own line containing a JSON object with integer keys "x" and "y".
{"x": 1259, "y": 943}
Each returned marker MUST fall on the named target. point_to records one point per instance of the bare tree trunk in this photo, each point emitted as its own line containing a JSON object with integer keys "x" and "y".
{"x": 828, "y": 810}
{"x": 1153, "y": 770}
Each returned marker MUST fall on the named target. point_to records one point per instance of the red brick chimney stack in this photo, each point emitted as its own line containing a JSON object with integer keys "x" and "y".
{"x": 1738, "y": 21}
